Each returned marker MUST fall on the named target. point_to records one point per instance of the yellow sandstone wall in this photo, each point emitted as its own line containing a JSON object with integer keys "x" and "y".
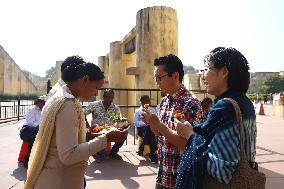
{"x": 12, "y": 79}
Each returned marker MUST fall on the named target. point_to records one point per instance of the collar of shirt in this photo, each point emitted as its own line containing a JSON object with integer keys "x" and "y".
{"x": 178, "y": 93}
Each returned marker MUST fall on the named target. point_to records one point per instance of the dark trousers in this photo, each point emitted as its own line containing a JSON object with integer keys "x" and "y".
{"x": 148, "y": 138}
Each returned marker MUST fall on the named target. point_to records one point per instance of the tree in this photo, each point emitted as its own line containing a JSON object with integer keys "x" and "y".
{"x": 189, "y": 69}
{"x": 27, "y": 73}
{"x": 273, "y": 84}
{"x": 50, "y": 72}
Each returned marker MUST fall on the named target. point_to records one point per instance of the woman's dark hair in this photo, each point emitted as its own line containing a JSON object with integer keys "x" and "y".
{"x": 172, "y": 64}
{"x": 236, "y": 63}
{"x": 74, "y": 67}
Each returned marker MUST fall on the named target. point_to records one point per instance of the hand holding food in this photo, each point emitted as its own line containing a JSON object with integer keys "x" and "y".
{"x": 152, "y": 120}
{"x": 123, "y": 125}
{"x": 184, "y": 129}
{"x": 146, "y": 106}
{"x": 116, "y": 136}
{"x": 178, "y": 117}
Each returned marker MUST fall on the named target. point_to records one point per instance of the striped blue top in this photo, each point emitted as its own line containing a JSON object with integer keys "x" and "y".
{"x": 223, "y": 150}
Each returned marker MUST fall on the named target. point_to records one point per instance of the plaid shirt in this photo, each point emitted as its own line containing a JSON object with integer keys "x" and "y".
{"x": 169, "y": 155}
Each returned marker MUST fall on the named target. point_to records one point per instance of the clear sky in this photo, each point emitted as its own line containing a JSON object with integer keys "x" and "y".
{"x": 37, "y": 33}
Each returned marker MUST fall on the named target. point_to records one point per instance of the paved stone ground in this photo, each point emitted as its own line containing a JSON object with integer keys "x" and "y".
{"x": 134, "y": 171}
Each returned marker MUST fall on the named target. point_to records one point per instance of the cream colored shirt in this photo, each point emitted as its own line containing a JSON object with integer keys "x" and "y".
{"x": 65, "y": 163}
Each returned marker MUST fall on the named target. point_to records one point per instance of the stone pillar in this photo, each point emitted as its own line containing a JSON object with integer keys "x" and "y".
{"x": 103, "y": 63}
{"x": 157, "y": 35}
{"x": 128, "y": 60}
{"x": 57, "y": 75}
{"x": 117, "y": 77}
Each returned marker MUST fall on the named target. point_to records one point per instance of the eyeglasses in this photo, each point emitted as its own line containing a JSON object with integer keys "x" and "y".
{"x": 206, "y": 69}
{"x": 159, "y": 78}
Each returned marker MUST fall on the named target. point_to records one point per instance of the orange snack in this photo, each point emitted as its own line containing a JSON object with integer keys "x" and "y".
{"x": 100, "y": 128}
{"x": 178, "y": 116}
{"x": 146, "y": 106}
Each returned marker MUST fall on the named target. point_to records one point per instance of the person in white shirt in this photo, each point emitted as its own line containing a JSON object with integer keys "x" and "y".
{"x": 148, "y": 138}
{"x": 30, "y": 128}
{"x": 33, "y": 114}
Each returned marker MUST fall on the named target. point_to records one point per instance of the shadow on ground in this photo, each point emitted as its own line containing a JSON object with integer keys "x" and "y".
{"x": 116, "y": 170}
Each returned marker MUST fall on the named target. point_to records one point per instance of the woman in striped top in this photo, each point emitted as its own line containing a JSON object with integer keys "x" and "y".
{"x": 213, "y": 145}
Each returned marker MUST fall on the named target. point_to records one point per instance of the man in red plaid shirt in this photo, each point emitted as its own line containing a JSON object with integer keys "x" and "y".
{"x": 169, "y": 75}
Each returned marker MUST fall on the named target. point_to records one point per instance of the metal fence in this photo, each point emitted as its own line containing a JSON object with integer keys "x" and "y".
{"x": 16, "y": 109}
{"x": 12, "y": 110}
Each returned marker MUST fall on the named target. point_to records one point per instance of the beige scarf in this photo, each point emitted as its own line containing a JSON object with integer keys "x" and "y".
{"x": 47, "y": 125}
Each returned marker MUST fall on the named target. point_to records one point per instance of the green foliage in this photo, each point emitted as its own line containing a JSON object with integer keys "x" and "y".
{"x": 189, "y": 69}
{"x": 49, "y": 72}
{"x": 273, "y": 85}
{"x": 27, "y": 73}
{"x": 253, "y": 96}
{"x": 263, "y": 88}
{"x": 116, "y": 117}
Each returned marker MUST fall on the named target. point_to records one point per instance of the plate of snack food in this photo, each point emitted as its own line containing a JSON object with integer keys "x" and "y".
{"x": 101, "y": 129}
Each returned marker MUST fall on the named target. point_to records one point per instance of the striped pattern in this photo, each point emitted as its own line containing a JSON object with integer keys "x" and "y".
{"x": 224, "y": 153}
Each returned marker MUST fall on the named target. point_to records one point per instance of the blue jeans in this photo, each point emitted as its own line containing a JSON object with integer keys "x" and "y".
{"x": 115, "y": 148}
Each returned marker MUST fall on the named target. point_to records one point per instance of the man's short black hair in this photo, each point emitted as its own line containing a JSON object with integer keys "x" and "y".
{"x": 74, "y": 68}
{"x": 144, "y": 98}
{"x": 172, "y": 64}
{"x": 108, "y": 91}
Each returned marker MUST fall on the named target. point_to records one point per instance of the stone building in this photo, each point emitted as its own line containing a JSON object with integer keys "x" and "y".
{"x": 129, "y": 63}
{"x": 257, "y": 79}
{"x": 13, "y": 81}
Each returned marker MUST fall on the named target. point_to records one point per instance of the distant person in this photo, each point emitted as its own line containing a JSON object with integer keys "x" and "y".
{"x": 144, "y": 131}
{"x": 59, "y": 155}
{"x": 168, "y": 74}
{"x": 206, "y": 104}
{"x": 102, "y": 114}
{"x": 30, "y": 128}
{"x": 258, "y": 98}
{"x": 265, "y": 99}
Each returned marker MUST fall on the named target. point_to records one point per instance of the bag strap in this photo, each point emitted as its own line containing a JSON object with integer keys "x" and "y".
{"x": 243, "y": 157}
